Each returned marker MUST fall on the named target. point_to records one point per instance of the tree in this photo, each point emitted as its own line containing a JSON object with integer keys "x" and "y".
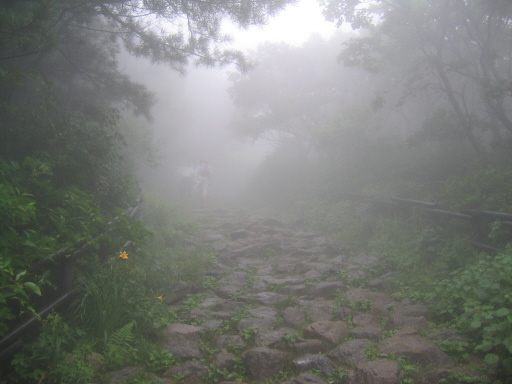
{"x": 171, "y": 32}
{"x": 61, "y": 89}
{"x": 459, "y": 49}
{"x": 291, "y": 92}
{"x": 63, "y": 167}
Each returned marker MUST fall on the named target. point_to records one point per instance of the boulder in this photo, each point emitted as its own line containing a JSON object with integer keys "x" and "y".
{"x": 263, "y": 363}
{"x": 329, "y": 331}
{"x": 264, "y": 298}
{"x": 224, "y": 341}
{"x": 273, "y": 338}
{"x": 317, "y": 362}
{"x": 311, "y": 346}
{"x": 191, "y": 332}
{"x": 225, "y": 360}
{"x": 364, "y": 319}
{"x": 398, "y": 321}
{"x": 378, "y": 372}
{"x": 182, "y": 348}
{"x": 319, "y": 310}
{"x": 351, "y": 352}
{"x": 380, "y": 301}
{"x": 416, "y": 349}
{"x": 192, "y": 372}
{"x": 370, "y": 332}
{"x": 327, "y": 290}
{"x": 177, "y": 292}
{"x": 294, "y": 316}
{"x": 230, "y": 284}
{"x": 212, "y": 324}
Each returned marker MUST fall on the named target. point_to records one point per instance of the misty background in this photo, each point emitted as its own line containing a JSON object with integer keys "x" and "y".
{"x": 190, "y": 122}
{"x": 351, "y": 118}
{"x": 192, "y": 118}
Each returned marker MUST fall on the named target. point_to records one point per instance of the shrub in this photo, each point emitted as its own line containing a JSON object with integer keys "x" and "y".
{"x": 477, "y": 299}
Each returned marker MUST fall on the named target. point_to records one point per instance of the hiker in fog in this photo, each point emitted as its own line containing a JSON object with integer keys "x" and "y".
{"x": 185, "y": 175}
{"x": 202, "y": 179}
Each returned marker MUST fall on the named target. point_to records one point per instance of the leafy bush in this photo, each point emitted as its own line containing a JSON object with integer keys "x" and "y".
{"x": 49, "y": 355}
{"x": 477, "y": 299}
{"x": 483, "y": 186}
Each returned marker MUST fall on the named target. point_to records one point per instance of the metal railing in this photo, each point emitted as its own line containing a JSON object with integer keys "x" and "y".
{"x": 63, "y": 260}
{"x": 479, "y": 219}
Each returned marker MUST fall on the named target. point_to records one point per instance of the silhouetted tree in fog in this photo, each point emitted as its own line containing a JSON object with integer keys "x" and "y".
{"x": 458, "y": 49}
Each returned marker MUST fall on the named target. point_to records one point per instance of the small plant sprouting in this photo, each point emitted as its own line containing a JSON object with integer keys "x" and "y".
{"x": 338, "y": 376}
{"x": 210, "y": 282}
{"x": 249, "y": 333}
{"x": 159, "y": 361}
{"x": 291, "y": 339}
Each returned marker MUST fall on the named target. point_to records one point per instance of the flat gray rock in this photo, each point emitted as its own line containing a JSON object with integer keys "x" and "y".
{"x": 329, "y": 331}
{"x": 351, "y": 352}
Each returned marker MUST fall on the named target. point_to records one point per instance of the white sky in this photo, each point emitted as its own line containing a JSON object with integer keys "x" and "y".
{"x": 294, "y": 26}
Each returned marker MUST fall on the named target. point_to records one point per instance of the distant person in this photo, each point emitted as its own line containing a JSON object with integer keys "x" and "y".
{"x": 202, "y": 176}
{"x": 185, "y": 176}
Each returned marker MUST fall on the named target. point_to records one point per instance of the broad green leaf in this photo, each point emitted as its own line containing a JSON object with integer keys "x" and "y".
{"x": 21, "y": 274}
{"x": 32, "y": 287}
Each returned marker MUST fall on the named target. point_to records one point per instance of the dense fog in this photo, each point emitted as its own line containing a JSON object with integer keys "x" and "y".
{"x": 365, "y": 168}
{"x": 191, "y": 122}
{"x": 194, "y": 116}
{"x": 318, "y": 118}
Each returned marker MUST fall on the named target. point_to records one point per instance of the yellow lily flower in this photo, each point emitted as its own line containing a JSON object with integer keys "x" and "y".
{"x": 123, "y": 255}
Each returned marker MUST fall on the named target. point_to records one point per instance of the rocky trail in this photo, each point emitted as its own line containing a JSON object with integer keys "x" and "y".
{"x": 285, "y": 305}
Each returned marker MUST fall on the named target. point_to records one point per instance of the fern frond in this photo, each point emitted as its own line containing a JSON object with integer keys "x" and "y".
{"x": 123, "y": 336}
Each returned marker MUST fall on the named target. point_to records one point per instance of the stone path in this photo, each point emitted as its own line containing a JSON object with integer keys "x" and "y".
{"x": 285, "y": 305}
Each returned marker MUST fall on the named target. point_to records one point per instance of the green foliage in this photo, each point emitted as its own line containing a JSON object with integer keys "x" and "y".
{"x": 477, "y": 300}
{"x": 37, "y": 218}
{"x": 338, "y": 376}
{"x": 281, "y": 377}
{"x": 409, "y": 372}
{"x": 239, "y": 314}
{"x": 14, "y": 289}
{"x": 248, "y": 334}
{"x": 464, "y": 378}
{"x": 76, "y": 367}
{"x": 291, "y": 339}
{"x": 161, "y": 360}
{"x": 419, "y": 243}
{"x": 49, "y": 354}
{"x": 120, "y": 305}
{"x": 216, "y": 374}
{"x": 372, "y": 354}
{"x": 482, "y": 186}
{"x": 457, "y": 349}
{"x": 210, "y": 282}
{"x": 168, "y": 256}
{"x": 119, "y": 348}
{"x": 144, "y": 378}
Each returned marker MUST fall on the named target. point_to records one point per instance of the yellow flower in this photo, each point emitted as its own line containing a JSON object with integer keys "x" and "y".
{"x": 160, "y": 297}
{"x": 123, "y": 255}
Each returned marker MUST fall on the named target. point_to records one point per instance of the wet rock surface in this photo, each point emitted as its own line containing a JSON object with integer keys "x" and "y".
{"x": 286, "y": 304}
